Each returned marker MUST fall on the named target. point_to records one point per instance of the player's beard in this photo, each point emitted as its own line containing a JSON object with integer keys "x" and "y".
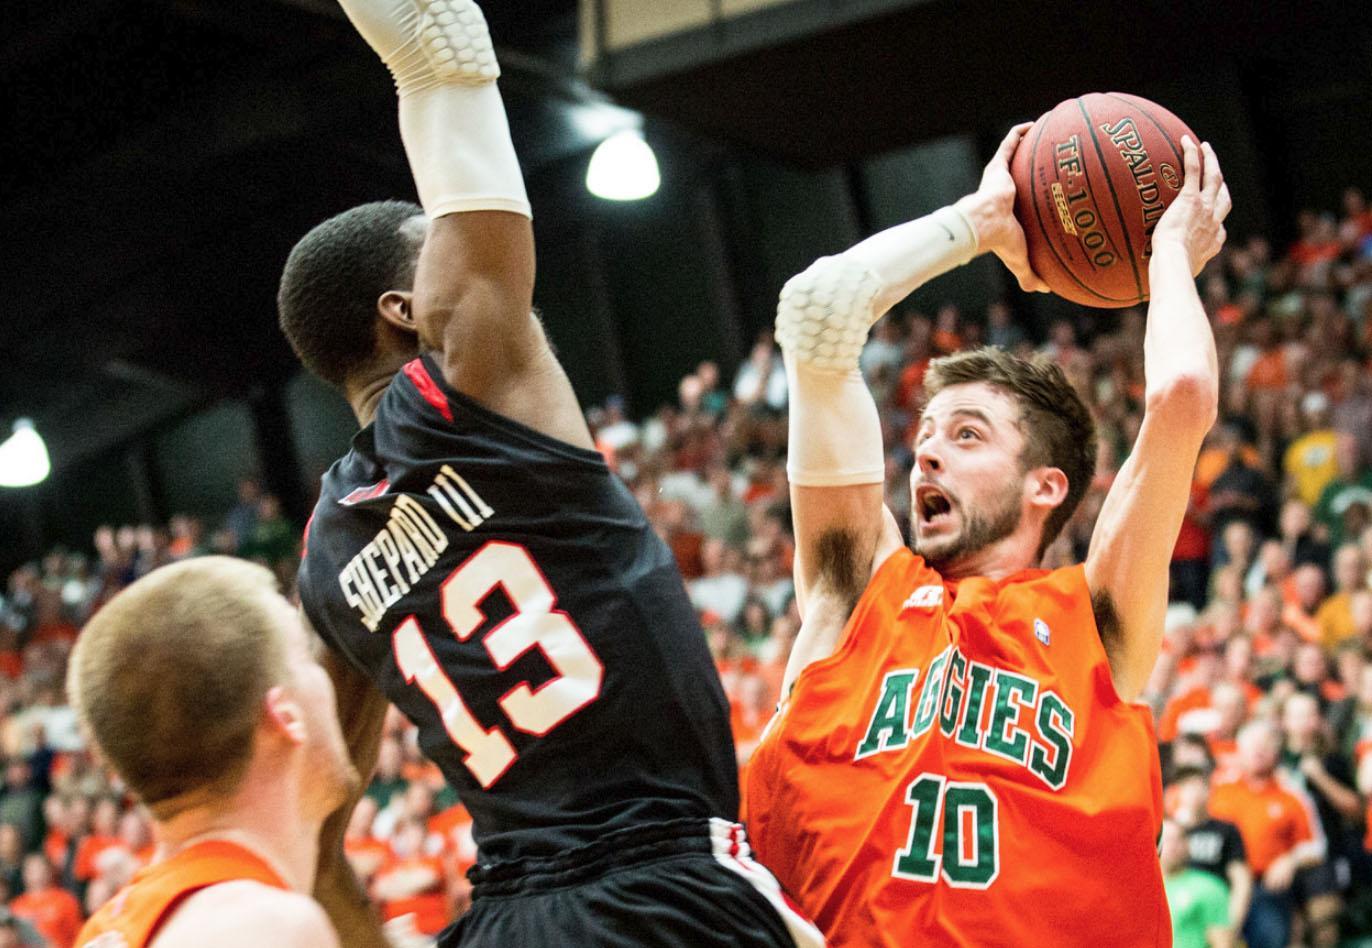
{"x": 986, "y": 524}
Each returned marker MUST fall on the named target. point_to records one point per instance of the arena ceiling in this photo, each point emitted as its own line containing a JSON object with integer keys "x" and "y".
{"x": 160, "y": 156}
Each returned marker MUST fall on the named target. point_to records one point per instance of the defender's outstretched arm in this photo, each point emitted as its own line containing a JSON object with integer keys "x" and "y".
{"x": 1131, "y": 549}
{"x": 473, "y": 290}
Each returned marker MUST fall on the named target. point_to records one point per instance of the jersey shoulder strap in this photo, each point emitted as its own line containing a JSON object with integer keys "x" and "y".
{"x": 133, "y": 917}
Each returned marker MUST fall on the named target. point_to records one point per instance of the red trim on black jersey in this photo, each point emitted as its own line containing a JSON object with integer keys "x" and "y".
{"x": 419, "y": 376}
{"x": 366, "y": 493}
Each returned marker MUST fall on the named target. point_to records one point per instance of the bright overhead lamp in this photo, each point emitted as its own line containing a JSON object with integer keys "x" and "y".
{"x": 623, "y": 168}
{"x": 23, "y": 457}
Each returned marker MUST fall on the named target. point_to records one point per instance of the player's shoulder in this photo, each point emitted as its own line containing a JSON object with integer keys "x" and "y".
{"x": 243, "y": 911}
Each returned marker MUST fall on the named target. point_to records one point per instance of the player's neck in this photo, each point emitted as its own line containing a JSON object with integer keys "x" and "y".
{"x": 262, "y": 815}
{"x": 1011, "y": 555}
{"x": 364, "y": 391}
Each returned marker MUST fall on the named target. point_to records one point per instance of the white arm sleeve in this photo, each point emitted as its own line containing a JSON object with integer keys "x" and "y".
{"x": 822, "y": 322}
{"x": 452, "y": 119}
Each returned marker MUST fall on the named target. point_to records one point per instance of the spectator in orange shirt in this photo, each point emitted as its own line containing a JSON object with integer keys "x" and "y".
{"x": 454, "y": 827}
{"x": 413, "y": 882}
{"x": 918, "y": 352}
{"x": 1231, "y": 706}
{"x": 750, "y": 714}
{"x": 53, "y": 911}
{"x": 104, "y": 834}
{"x": 1303, "y": 591}
{"x": 1317, "y": 246}
{"x": 57, "y": 844}
{"x": 1263, "y": 621}
{"x": 1280, "y": 831}
{"x": 1190, "y": 709}
{"x": 947, "y": 336}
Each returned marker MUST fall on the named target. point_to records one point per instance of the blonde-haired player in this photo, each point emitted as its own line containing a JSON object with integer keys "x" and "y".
{"x": 198, "y": 685}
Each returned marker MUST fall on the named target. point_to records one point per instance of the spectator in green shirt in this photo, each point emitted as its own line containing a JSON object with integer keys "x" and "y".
{"x": 1345, "y": 501}
{"x": 1199, "y": 902}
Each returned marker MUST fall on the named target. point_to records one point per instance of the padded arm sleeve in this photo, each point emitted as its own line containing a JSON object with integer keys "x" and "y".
{"x": 822, "y": 322}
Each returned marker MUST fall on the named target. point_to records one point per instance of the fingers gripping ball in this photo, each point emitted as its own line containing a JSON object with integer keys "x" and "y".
{"x": 1092, "y": 178}
{"x": 825, "y": 312}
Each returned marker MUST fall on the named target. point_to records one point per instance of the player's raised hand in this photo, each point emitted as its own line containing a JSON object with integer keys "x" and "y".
{"x": 991, "y": 210}
{"x": 1195, "y": 219}
{"x": 427, "y": 42}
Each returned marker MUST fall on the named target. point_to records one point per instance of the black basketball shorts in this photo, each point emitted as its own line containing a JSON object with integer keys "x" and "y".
{"x": 683, "y": 884}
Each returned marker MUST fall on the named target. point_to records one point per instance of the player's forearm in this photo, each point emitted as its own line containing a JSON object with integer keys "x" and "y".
{"x": 452, "y": 119}
{"x": 345, "y": 901}
{"x": 1181, "y": 368}
{"x": 905, "y": 257}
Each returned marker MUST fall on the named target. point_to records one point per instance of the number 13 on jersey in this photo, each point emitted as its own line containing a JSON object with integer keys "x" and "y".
{"x": 535, "y": 624}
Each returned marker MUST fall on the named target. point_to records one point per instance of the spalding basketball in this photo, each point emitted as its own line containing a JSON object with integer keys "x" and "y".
{"x": 1092, "y": 178}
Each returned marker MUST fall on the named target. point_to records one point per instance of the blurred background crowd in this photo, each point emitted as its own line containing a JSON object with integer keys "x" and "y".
{"x": 1263, "y": 696}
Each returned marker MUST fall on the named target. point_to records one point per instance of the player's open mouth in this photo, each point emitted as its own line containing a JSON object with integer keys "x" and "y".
{"x": 934, "y": 507}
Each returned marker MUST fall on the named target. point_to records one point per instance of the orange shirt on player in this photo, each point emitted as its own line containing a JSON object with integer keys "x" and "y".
{"x": 145, "y": 904}
{"x": 54, "y": 912}
{"x": 1272, "y": 816}
{"x": 961, "y": 771}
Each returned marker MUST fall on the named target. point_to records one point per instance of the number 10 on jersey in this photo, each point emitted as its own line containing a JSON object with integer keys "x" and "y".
{"x": 970, "y": 857}
{"x": 535, "y": 624}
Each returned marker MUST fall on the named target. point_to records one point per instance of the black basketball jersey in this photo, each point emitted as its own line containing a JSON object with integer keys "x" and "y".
{"x": 506, "y": 592}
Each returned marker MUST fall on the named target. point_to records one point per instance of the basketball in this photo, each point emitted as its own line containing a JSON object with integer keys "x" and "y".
{"x": 1092, "y": 178}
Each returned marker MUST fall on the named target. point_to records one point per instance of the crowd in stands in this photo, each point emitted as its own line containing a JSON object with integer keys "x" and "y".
{"x": 1263, "y": 696}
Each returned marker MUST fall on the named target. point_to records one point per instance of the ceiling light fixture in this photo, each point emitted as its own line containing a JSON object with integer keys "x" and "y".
{"x": 23, "y": 457}
{"x": 623, "y": 168}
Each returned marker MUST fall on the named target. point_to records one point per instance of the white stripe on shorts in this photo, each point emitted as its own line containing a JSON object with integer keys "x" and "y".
{"x": 730, "y": 846}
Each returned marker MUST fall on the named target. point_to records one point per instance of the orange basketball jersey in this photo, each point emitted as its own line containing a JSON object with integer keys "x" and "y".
{"x": 961, "y": 772}
{"x": 132, "y": 918}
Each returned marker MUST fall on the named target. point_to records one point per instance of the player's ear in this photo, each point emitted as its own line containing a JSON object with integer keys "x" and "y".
{"x": 284, "y": 716}
{"x": 1047, "y": 487}
{"x": 397, "y": 309}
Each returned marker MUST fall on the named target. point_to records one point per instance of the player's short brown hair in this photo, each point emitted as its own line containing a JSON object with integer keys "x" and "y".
{"x": 1057, "y": 426}
{"x": 169, "y": 676}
